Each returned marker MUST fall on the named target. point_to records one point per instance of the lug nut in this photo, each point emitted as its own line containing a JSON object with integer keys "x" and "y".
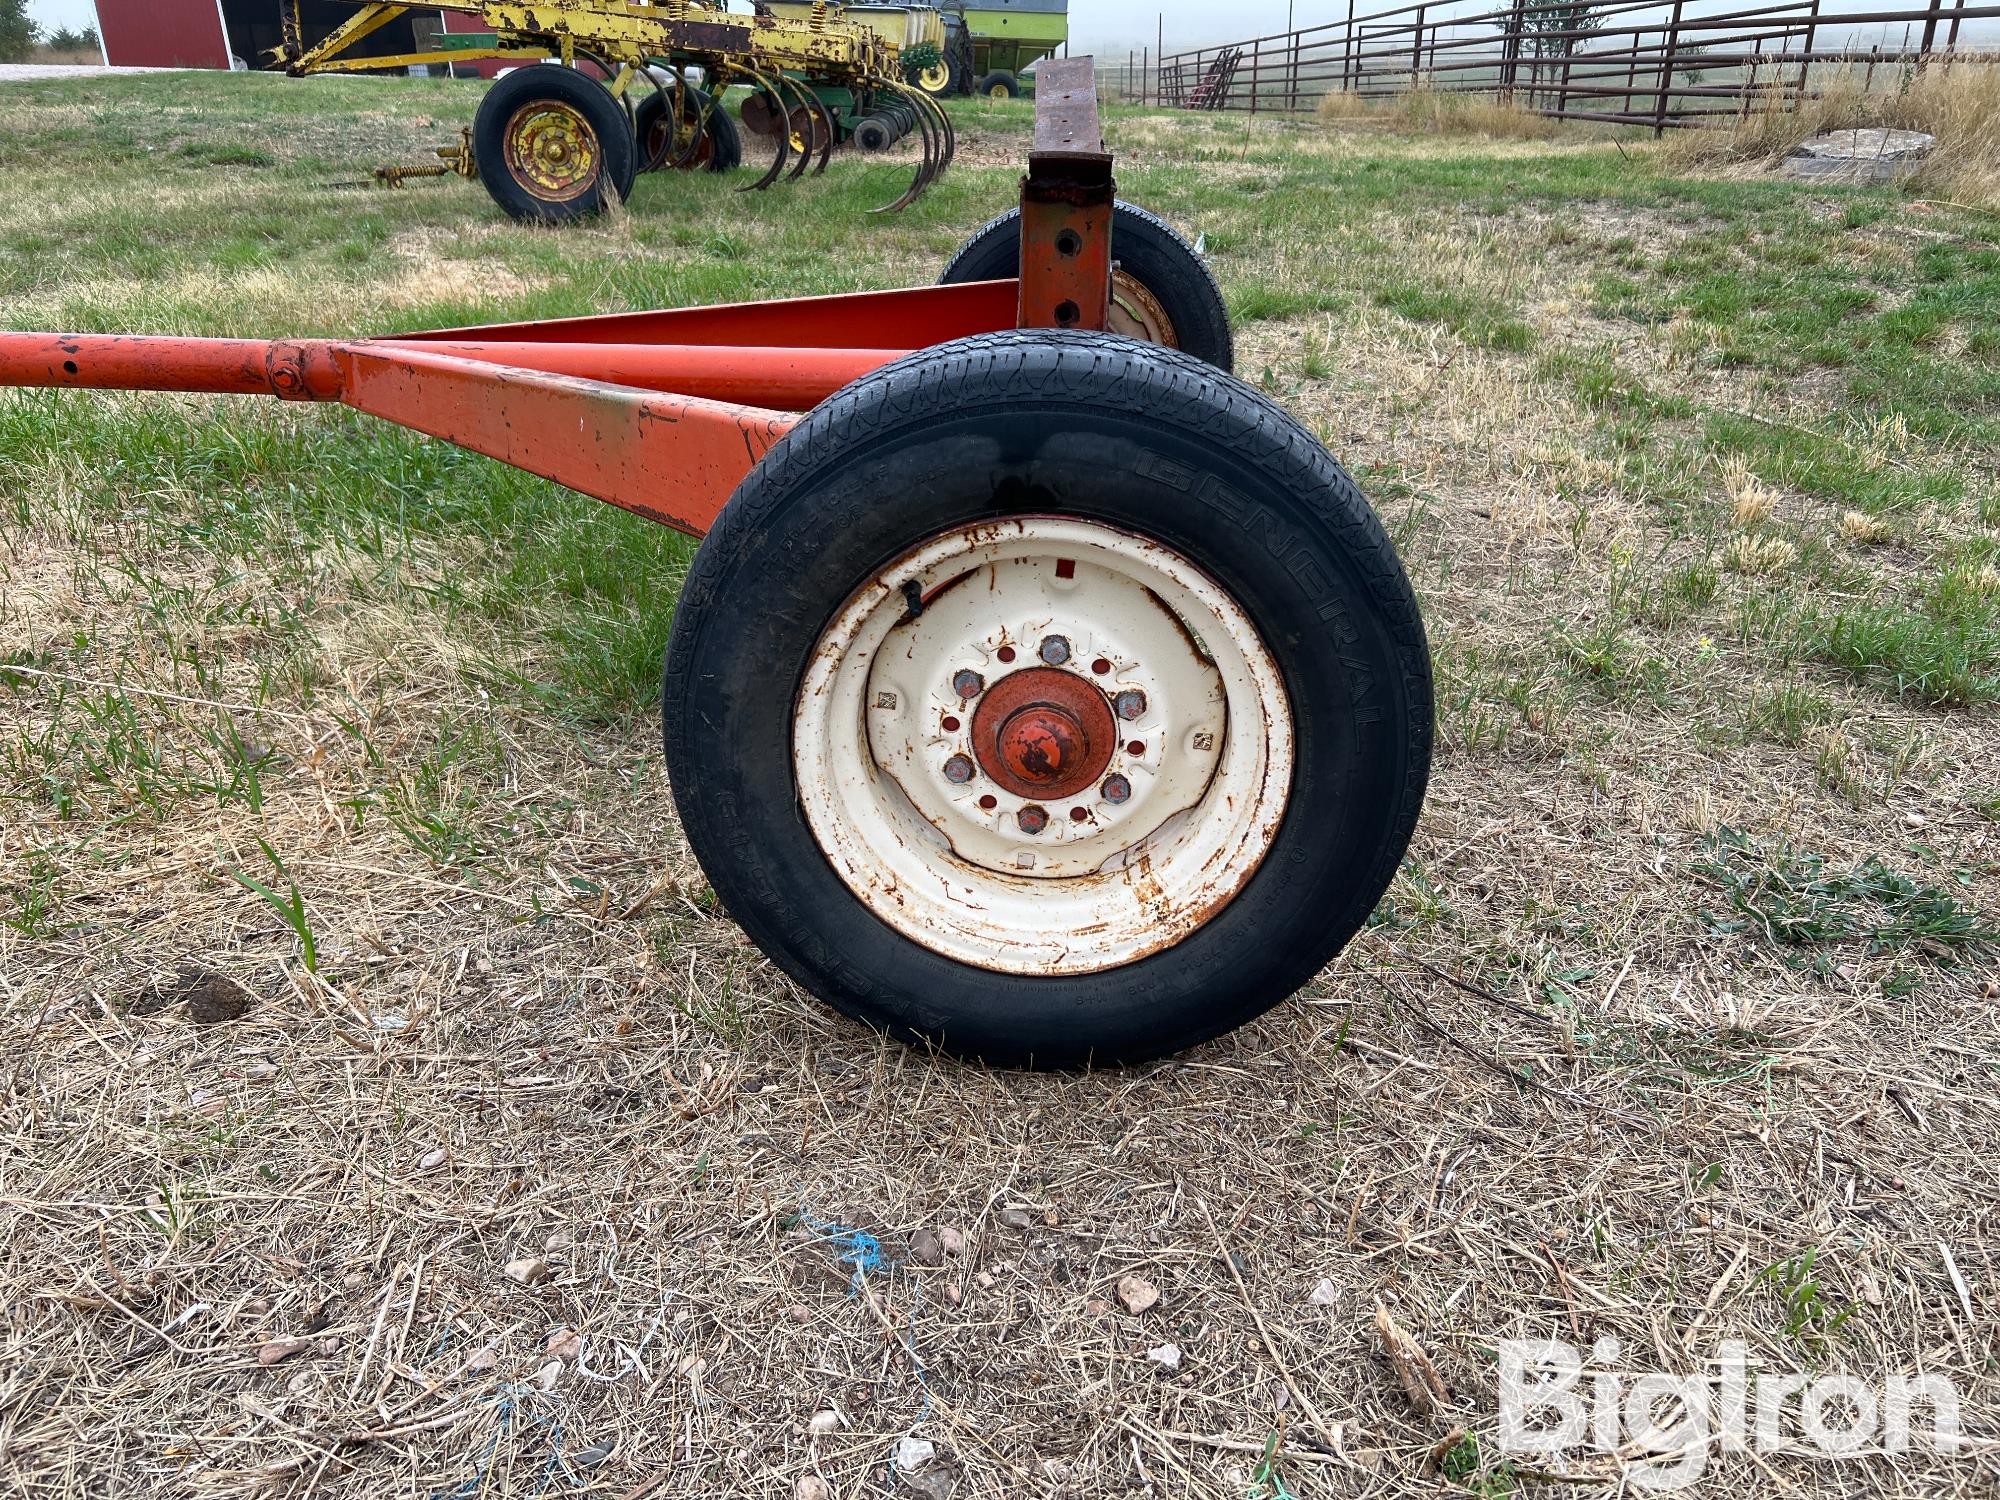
{"x": 1116, "y": 789}
{"x": 1055, "y": 650}
{"x": 1032, "y": 819}
{"x": 959, "y": 769}
{"x": 1130, "y": 704}
{"x": 967, "y": 683}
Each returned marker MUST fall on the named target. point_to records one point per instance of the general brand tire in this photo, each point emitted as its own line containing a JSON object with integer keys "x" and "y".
{"x": 980, "y": 443}
{"x": 1153, "y": 261}
{"x": 585, "y": 114}
{"x": 722, "y": 152}
{"x": 1000, "y": 84}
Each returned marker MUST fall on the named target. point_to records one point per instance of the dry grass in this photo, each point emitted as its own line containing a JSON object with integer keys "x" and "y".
{"x": 1960, "y": 105}
{"x": 1452, "y": 112}
{"x": 1340, "y": 104}
{"x": 540, "y": 1180}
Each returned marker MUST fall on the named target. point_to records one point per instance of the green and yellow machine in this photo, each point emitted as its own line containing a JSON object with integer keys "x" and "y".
{"x": 993, "y": 43}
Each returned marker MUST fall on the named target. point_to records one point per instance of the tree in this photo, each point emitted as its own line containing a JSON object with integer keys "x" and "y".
{"x": 17, "y": 32}
{"x": 1531, "y": 27}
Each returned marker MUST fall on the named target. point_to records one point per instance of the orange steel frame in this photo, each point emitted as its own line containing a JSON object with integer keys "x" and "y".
{"x": 661, "y": 413}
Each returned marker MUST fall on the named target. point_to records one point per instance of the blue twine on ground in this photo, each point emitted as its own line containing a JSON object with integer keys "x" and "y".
{"x": 511, "y": 1399}
{"x": 863, "y": 1251}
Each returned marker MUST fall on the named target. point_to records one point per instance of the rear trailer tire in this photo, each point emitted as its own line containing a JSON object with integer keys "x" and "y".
{"x": 1161, "y": 291}
{"x": 1000, "y": 84}
{"x": 857, "y": 802}
{"x": 553, "y": 145}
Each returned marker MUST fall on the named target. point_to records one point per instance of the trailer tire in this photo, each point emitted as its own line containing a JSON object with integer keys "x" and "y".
{"x": 553, "y": 145}
{"x": 999, "y": 84}
{"x": 1161, "y": 290}
{"x": 991, "y": 447}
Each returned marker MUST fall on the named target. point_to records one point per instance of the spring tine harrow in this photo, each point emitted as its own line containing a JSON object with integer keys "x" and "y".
{"x": 782, "y": 131}
{"x": 932, "y": 163}
{"x": 808, "y": 145}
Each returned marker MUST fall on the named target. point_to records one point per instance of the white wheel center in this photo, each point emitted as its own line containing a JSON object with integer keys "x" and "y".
{"x": 1042, "y": 746}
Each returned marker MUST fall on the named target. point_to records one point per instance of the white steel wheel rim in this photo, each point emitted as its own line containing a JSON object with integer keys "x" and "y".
{"x": 950, "y": 864}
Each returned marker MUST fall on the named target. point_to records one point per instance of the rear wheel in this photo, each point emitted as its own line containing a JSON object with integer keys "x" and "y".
{"x": 1091, "y": 721}
{"x": 999, "y": 84}
{"x": 553, "y": 145}
{"x": 1161, "y": 291}
{"x": 705, "y": 137}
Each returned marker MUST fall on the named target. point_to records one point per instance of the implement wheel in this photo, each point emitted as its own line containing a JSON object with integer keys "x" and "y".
{"x": 553, "y": 145}
{"x": 999, "y": 84}
{"x": 695, "y": 143}
{"x": 1050, "y": 698}
{"x": 1161, "y": 291}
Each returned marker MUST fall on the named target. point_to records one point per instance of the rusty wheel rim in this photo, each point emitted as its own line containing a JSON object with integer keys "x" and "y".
{"x": 1045, "y": 745}
{"x": 1137, "y": 314}
{"x": 551, "y": 151}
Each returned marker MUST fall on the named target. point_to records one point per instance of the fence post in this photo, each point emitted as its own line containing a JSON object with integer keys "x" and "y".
{"x": 1348, "y": 82}
{"x": 1667, "y": 60}
{"x": 1510, "y": 51}
{"x": 1145, "y": 62}
{"x": 1417, "y": 46}
{"x": 1805, "y": 63}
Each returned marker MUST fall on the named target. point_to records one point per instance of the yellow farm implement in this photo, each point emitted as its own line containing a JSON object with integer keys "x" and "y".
{"x": 557, "y": 143}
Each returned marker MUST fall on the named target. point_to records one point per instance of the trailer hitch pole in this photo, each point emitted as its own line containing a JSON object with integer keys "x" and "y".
{"x": 304, "y": 370}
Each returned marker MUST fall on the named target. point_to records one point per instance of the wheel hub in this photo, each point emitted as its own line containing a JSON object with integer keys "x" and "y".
{"x": 551, "y": 150}
{"x": 1043, "y": 732}
{"x": 1042, "y": 745}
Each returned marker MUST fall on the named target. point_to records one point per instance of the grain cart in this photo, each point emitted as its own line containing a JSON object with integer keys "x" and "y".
{"x": 993, "y": 42}
{"x": 1037, "y": 693}
{"x": 553, "y": 144}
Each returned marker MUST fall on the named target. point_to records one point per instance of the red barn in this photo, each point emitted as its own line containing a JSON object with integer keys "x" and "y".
{"x": 242, "y": 33}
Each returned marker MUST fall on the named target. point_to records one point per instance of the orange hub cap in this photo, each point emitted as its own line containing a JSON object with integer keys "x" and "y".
{"x": 1043, "y": 732}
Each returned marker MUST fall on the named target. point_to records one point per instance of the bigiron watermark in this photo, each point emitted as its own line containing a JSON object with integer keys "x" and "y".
{"x": 1558, "y": 1399}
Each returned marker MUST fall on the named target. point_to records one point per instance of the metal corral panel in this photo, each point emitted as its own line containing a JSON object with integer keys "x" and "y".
{"x": 1046, "y": 7}
{"x": 162, "y": 33}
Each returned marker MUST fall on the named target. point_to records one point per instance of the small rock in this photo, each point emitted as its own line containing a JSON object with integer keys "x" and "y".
{"x": 1095, "y": 1307}
{"x": 913, "y": 1453}
{"x": 431, "y": 1160}
{"x": 920, "y": 1471}
{"x": 1167, "y": 1356}
{"x": 1016, "y": 1218}
{"x": 482, "y": 1359}
{"x": 812, "y": 1487}
{"x": 953, "y": 1295}
{"x": 558, "y": 1240}
{"x": 798, "y": 1313}
{"x": 259, "y": 1069}
{"x": 595, "y": 1454}
{"x": 926, "y": 1249}
{"x": 565, "y": 1344}
{"x": 823, "y": 1422}
{"x": 529, "y": 1270}
{"x": 1325, "y": 1294}
{"x": 953, "y": 1241}
{"x": 278, "y": 1350}
{"x": 984, "y": 1279}
{"x": 549, "y": 1375}
{"x": 1136, "y": 1294}
{"x": 256, "y": 1307}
